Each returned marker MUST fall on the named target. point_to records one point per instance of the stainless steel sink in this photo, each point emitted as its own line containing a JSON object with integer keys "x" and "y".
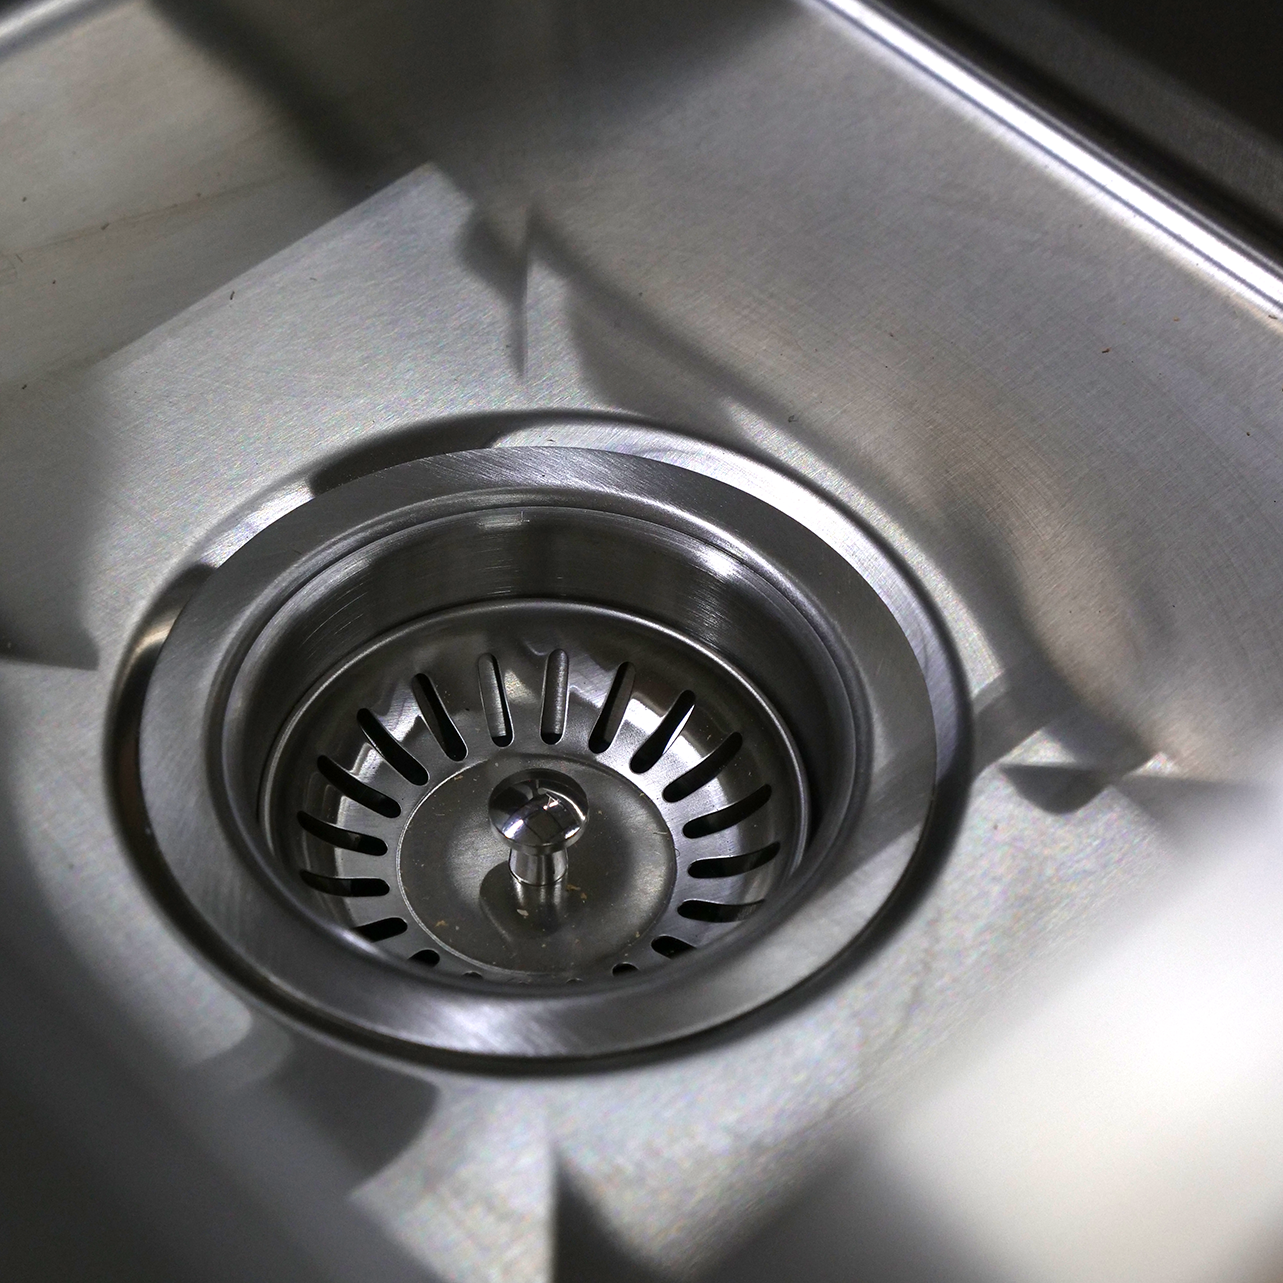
{"x": 253, "y": 253}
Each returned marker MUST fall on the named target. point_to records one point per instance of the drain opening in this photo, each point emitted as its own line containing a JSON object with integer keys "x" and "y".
{"x": 706, "y": 771}
{"x": 385, "y": 744}
{"x": 713, "y": 911}
{"x": 439, "y": 722}
{"x": 732, "y": 866}
{"x": 719, "y": 821}
{"x": 383, "y": 929}
{"x": 613, "y": 710}
{"x": 350, "y": 786}
{"x": 344, "y": 886}
{"x": 670, "y": 946}
{"x": 661, "y": 738}
{"x": 342, "y": 839}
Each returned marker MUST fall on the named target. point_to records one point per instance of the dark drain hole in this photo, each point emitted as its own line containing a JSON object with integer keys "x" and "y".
{"x": 730, "y": 866}
{"x": 345, "y": 839}
{"x": 706, "y": 771}
{"x": 443, "y": 729}
{"x": 428, "y": 957}
{"x": 390, "y": 749}
{"x": 708, "y": 911}
{"x": 613, "y": 710}
{"x": 670, "y": 946}
{"x": 383, "y": 929}
{"x": 343, "y": 886}
{"x": 660, "y": 739}
{"x": 729, "y": 816}
{"x": 357, "y": 790}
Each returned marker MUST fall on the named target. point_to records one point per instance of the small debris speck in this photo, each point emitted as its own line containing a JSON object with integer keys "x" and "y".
{"x": 231, "y": 296}
{"x": 1103, "y": 351}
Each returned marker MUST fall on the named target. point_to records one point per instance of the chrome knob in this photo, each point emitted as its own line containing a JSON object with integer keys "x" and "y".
{"x": 538, "y": 814}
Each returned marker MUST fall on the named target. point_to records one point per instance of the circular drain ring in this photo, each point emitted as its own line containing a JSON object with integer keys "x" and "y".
{"x": 754, "y": 583}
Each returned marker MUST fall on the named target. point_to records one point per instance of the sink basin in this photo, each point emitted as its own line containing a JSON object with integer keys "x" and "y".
{"x": 252, "y": 253}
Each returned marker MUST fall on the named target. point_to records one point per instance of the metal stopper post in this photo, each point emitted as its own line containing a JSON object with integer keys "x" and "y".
{"x": 538, "y": 814}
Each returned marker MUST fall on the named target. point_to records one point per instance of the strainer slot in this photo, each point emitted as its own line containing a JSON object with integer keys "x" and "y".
{"x": 383, "y": 929}
{"x": 359, "y": 791}
{"x": 438, "y": 720}
{"x": 728, "y": 816}
{"x": 670, "y": 946}
{"x": 711, "y": 911}
{"x": 344, "y": 839}
{"x": 390, "y": 749}
{"x": 732, "y": 866}
{"x": 705, "y": 772}
{"x": 613, "y": 710}
{"x": 661, "y": 738}
{"x": 344, "y": 886}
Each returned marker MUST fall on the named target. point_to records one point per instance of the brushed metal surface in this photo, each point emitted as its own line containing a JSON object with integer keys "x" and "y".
{"x": 791, "y": 239}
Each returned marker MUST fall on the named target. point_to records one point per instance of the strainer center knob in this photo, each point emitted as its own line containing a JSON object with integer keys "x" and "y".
{"x": 538, "y": 814}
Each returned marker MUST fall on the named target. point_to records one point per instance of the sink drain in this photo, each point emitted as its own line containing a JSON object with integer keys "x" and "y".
{"x": 545, "y": 752}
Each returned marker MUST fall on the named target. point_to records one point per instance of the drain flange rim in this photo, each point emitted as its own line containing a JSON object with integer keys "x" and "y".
{"x": 190, "y": 671}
